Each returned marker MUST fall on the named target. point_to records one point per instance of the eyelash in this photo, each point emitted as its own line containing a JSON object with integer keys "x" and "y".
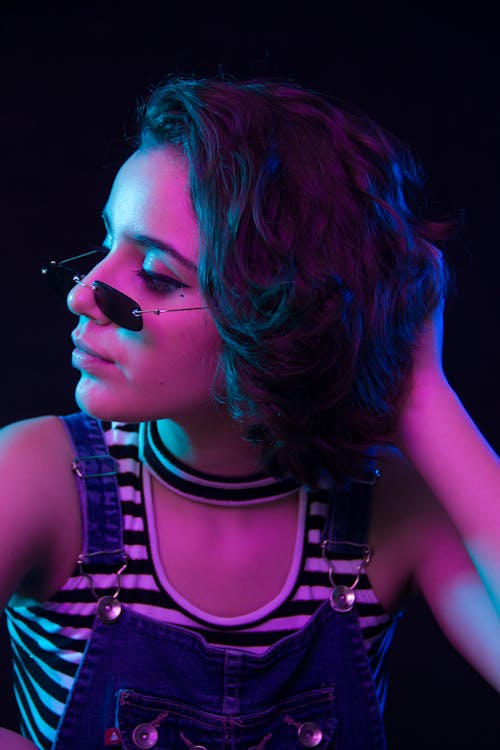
{"x": 158, "y": 283}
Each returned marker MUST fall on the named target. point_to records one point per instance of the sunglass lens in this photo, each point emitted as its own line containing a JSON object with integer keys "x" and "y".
{"x": 59, "y": 278}
{"x": 117, "y": 306}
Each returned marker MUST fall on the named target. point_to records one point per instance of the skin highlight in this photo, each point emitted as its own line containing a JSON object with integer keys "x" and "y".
{"x": 166, "y": 372}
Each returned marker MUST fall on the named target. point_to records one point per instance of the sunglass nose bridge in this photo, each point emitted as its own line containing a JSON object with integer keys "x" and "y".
{"x": 78, "y": 279}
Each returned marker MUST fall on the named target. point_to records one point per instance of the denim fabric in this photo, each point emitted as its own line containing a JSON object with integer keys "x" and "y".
{"x": 163, "y": 686}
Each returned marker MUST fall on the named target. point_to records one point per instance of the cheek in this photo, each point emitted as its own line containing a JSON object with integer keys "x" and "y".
{"x": 186, "y": 357}
{"x": 164, "y": 374}
{"x": 200, "y": 352}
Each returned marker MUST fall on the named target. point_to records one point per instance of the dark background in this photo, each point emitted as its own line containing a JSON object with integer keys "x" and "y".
{"x": 71, "y": 76}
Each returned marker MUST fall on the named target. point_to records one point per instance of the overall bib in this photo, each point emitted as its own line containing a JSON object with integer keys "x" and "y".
{"x": 146, "y": 684}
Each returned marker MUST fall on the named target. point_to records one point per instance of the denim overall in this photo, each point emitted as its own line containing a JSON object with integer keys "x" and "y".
{"x": 146, "y": 684}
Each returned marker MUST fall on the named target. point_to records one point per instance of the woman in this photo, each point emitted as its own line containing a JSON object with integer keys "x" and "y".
{"x": 266, "y": 308}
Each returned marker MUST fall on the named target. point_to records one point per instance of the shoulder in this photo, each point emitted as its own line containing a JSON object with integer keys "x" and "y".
{"x": 38, "y": 488}
{"x": 399, "y": 480}
{"x": 405, "y": 516}
{"x": 12, "y": 741}
{"x": 32, "y": 436}
{"x": 401, "y": 495}
{"x": 33, "y": 455}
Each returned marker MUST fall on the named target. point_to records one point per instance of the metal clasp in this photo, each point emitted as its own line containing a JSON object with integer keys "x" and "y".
{"x": 83, "y": 560}
{"x": 78, "y": 468}
{"x": 373, "y": 475}
{"x": 109, "y": 608}
{"x": 343, "y": 598}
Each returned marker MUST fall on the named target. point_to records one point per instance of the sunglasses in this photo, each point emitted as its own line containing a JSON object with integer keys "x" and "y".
{"x": 116, "y": 306}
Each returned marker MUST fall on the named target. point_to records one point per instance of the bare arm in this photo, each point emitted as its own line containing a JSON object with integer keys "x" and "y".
{"x": 458, "y": 568}
{"x": 39, "y": 518}
{"x": 454, "y": 459}
{"x": 12, "y": 741}
{"x": 417, "y": 544}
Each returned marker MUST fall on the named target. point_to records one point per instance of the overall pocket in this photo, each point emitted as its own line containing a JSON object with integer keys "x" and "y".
{"x": 306, "y": 720}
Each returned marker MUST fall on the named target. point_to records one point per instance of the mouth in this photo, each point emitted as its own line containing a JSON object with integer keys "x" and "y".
{"x": 83, "y": 353}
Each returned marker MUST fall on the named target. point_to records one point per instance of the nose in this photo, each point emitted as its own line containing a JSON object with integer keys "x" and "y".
{"x": 81, "y": 301}
{"x": 81, "y": 298}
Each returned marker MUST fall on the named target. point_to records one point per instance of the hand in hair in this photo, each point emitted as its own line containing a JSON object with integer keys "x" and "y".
{"x": 427, "y": 365}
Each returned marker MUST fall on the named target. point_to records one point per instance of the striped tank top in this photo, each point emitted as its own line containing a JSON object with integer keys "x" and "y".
{"x": 48, "y": 639}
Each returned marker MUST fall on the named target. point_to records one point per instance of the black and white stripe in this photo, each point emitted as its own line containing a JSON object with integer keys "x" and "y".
{"x": 48, "y": 639}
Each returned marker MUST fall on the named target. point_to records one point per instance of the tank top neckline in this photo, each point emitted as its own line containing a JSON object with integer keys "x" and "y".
{"x": 203, "y": 487}
{"x": 246, "y": 618}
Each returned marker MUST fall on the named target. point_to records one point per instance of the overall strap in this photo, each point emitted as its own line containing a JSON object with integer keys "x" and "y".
{"x": 347, "y": 526}
{"x": 95, "y": 472}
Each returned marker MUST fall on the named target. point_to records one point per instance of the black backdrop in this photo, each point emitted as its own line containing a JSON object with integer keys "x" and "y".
{"x": 71, "y": 76}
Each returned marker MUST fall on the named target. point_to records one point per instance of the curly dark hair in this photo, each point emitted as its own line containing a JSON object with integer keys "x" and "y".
{"x": 318, "y": 272}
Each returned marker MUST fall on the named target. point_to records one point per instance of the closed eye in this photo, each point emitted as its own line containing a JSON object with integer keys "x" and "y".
{"x": 160, "y": 283}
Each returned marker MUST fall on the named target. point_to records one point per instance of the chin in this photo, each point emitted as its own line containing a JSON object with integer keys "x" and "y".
{"x": 110, "y": 408}
{"x": 118, "y": 404}
{"x": 103, "y": 406}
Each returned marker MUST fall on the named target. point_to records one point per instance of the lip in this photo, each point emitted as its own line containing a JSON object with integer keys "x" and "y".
{"x": 85, "y": 356}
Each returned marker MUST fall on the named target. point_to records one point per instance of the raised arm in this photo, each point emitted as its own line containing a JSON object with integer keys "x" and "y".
{"x": 459, "y": 565}
{"x": 454, "y": 459}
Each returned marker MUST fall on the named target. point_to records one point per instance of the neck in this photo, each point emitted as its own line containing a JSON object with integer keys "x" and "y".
{"x": 214, "y": 446}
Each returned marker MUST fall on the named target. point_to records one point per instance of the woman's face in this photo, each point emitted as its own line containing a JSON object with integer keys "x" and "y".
{"x": 166, "y": 370}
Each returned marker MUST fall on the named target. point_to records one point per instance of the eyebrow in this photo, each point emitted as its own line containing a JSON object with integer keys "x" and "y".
{"x": 150, "y": 243}
{"x": 153, "y": 244}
